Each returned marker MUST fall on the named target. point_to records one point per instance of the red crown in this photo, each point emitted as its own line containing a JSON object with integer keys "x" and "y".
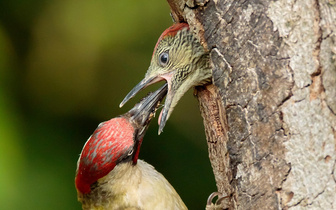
{"x": 171, "y": 31}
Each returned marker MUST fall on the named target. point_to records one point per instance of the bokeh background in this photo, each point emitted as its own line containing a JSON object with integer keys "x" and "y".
{"x": 65, "y": 66}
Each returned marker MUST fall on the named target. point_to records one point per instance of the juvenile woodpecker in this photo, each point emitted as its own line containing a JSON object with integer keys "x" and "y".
{"x": 109, "y": 174}
{"x": 180, "y": 59}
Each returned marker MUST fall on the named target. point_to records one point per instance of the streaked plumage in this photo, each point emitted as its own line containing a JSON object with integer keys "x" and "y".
{"x": 179, "y": 59}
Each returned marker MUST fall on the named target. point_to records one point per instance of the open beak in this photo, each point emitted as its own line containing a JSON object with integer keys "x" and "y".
{"x": 166, "y": 111}
{"x": 141, "y": 85}
{"x": 170, "y": 102}
{"x": 143, "y": 112}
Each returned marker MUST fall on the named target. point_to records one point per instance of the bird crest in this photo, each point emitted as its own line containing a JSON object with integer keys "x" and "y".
{"x": 171, "y": 31}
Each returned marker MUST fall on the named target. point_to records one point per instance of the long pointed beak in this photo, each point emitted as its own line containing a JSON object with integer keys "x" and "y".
{"x": 141, "y": 85}
{"x": 142, "y": 113}
{"x": 173, "y": 96}
{"x": 171, "y": 99}
{"x": 167, "y": 110}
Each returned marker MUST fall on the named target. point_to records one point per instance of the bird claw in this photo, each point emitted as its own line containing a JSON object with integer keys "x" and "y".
{"x": 217, "y": 205}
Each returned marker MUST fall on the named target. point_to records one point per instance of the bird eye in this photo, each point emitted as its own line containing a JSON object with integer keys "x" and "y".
{"x": 163, "y": 58}
{"x": 130, "y": 152}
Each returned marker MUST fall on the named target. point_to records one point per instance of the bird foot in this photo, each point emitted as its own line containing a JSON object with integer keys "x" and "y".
{"x": 218, "y": 204}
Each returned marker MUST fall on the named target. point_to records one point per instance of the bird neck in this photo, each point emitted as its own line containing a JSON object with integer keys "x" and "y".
{"x": 132, "y": 186}
{"x": 137, "y": 151}
{"x": 110, "y": 189}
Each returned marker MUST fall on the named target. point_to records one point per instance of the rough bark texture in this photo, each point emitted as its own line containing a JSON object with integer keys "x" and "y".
{"x": 274, "y": 97}
{"x": 216, "y": 130}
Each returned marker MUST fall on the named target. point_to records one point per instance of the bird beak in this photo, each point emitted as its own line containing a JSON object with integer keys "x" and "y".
{"x": 164, "y": 114}
{"x": 142, "y": 113}
{"x": 173, "y": 96}
{"x": 141, "y": 85}
{"x": 171, "y": 99}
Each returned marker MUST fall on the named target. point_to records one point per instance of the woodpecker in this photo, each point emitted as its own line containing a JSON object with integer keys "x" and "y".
{"x": 180, "y": 59}
{"x": 109, "y": 174}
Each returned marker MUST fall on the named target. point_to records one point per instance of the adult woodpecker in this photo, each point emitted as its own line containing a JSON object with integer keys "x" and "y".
{"x": 180, "y": 59}
{"x": 109, "y": 174}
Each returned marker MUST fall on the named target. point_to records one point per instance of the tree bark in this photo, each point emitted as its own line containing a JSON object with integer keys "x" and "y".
{"x": 270, "y": 114}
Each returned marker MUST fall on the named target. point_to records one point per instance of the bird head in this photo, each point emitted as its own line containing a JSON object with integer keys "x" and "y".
{"x": 115, "y": 141}
{"x": 179, "y": 59}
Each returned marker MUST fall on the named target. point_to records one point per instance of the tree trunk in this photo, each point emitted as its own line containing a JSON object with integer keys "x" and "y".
{"x": 270, "y": 114}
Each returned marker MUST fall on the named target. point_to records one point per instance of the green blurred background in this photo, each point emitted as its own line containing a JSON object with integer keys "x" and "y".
{"x": 64, "y": 67}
